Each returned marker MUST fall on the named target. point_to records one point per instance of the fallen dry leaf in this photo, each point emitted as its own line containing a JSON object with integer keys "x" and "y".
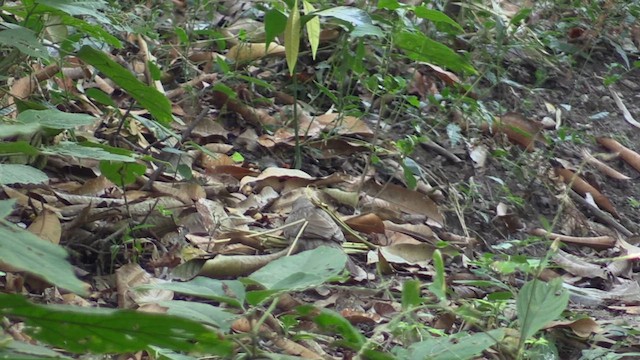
{"x": 583, "y": 188}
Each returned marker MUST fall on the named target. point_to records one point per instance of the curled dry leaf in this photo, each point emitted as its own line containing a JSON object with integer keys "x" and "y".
{"x": 247, "y": 52}
{"x": 366, "y": 223}
{"x": 583, "y": 188}
{"x": 412, "y": 254}
{"x": 344, "y": 125}
{"x": 604, "y": 168}
{"x": 584, "y": 327}
{"x": 577, "y": 266}
{"x": 625, "y": 112}
{"x": 517, "y": 128}
{"x": 130, "y": 276}
{"x": 629, "y": 156}
{"x": 256, "y": 117}
{"x": 411, "y": 202}
{"x": 417, "y": 231}
{"x": 598, "y": 242}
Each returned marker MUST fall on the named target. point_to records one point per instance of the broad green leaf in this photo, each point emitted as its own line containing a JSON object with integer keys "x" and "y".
{"x": 292, "y": 38}
{"x": 98, "y": 330}
{"x": 275, "y": 23}
{"x": 366, "y": 30}
{"x": 358, "y": 18}
{"x": 55, "y": 119}
{"x": 6, "y": 207}
{"x": 419, "y": 47}
{"x": 349, "y": 14}
{"x": 538, "y": 303}
{"x": 332, "y": 321}
{"x": 388, "y": 4}
{"x": 122, "y": 173}
{"x": 202, "y": 313}
{"x": 313, "y": 28}
{"x": 95, "y": 31}
{"x": 21, "y": 174}
{"x": 24, "y": 40}
{"x": 436, "y": 16}
{"x": 18, "y": 147}
{"x": 84, "y": 152}
{"x": 409, "y": 177}
{"x": 23, "y": 250}
{"x": 460, "y": 346}
{"x": 8, "y": 130}
{"x": 303, "y": 270}
{"x": 227, "y": 291}
{"x": 148, "y": 97}
{"x": 78, "y": 8}
{"x": 100, "y": 96}
{"x": 24, "y": 351}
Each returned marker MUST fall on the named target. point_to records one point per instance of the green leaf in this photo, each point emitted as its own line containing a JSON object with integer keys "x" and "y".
{"x": 298, "y": 272}
{"x": 333, "y": 322}
{"x": 55, "y": 119}
{"x": 409, "y": 177}
{"x": 18, "y": 147}
{"x": 237, "y": 157}
{"x": 76, "y": 8}
{"x": 438, "y": 286}
{"x": 23, "y": 250}
{"x": 6, "y": 207}
{"x": 459, "y": 346}
{"x": 148, "y": 97}
{"x": 227, "y": 291}
{"x": 92, "y": 30}
{"x": 122, "y": 173}
{"x": 421, "y": 48}
{"x": 100, "y": 96}
{"x": 202, "y": 313}
{"x": 97, "y": 330}
{"x": 436, "y": 16}
{"x": 8, "y": 130}
{"x": 539, "y": 303}
{"x": 68, "y": 148}
{"x": 275, "y": 23}
{"x": 358, "y": 18}
{"x": 313, "y": 28}
{"x": 411, "y": 294}
{"x": 24, "y": 351}
{"x": 21, "y": 174}
{"x": 292, "y": 38}
{"x": 24, "y": 40}
{"x": 388, "y": 4}
{"x": 303, "y": 270}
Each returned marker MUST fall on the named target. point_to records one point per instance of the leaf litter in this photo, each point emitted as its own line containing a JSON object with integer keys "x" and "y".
{"x": 206, "y": 214}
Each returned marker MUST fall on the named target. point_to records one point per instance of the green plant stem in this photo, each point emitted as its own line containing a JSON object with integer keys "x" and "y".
{"x": 297, "y": 163}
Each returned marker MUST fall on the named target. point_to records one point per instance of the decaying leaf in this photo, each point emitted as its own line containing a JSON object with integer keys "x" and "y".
{"x": 583, "y": 188}
{"x": 247, "y": 52}
{"x": 518, "y": 129}
{"x": 629, "y": 156}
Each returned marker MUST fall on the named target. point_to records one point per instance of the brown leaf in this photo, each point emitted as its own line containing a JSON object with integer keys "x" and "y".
{"x": 599, "y": 242}
{"x": 604, "y": 168}
{"x": 631, "y": 157}
{"x": 411, "y": 202}
{"x": 518, "y": 129}
{"x": 366, "y": 223}
{"x": 247, "y": 52}
{"x": 47, "y": 226}
{"x": 582, "y": 187}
